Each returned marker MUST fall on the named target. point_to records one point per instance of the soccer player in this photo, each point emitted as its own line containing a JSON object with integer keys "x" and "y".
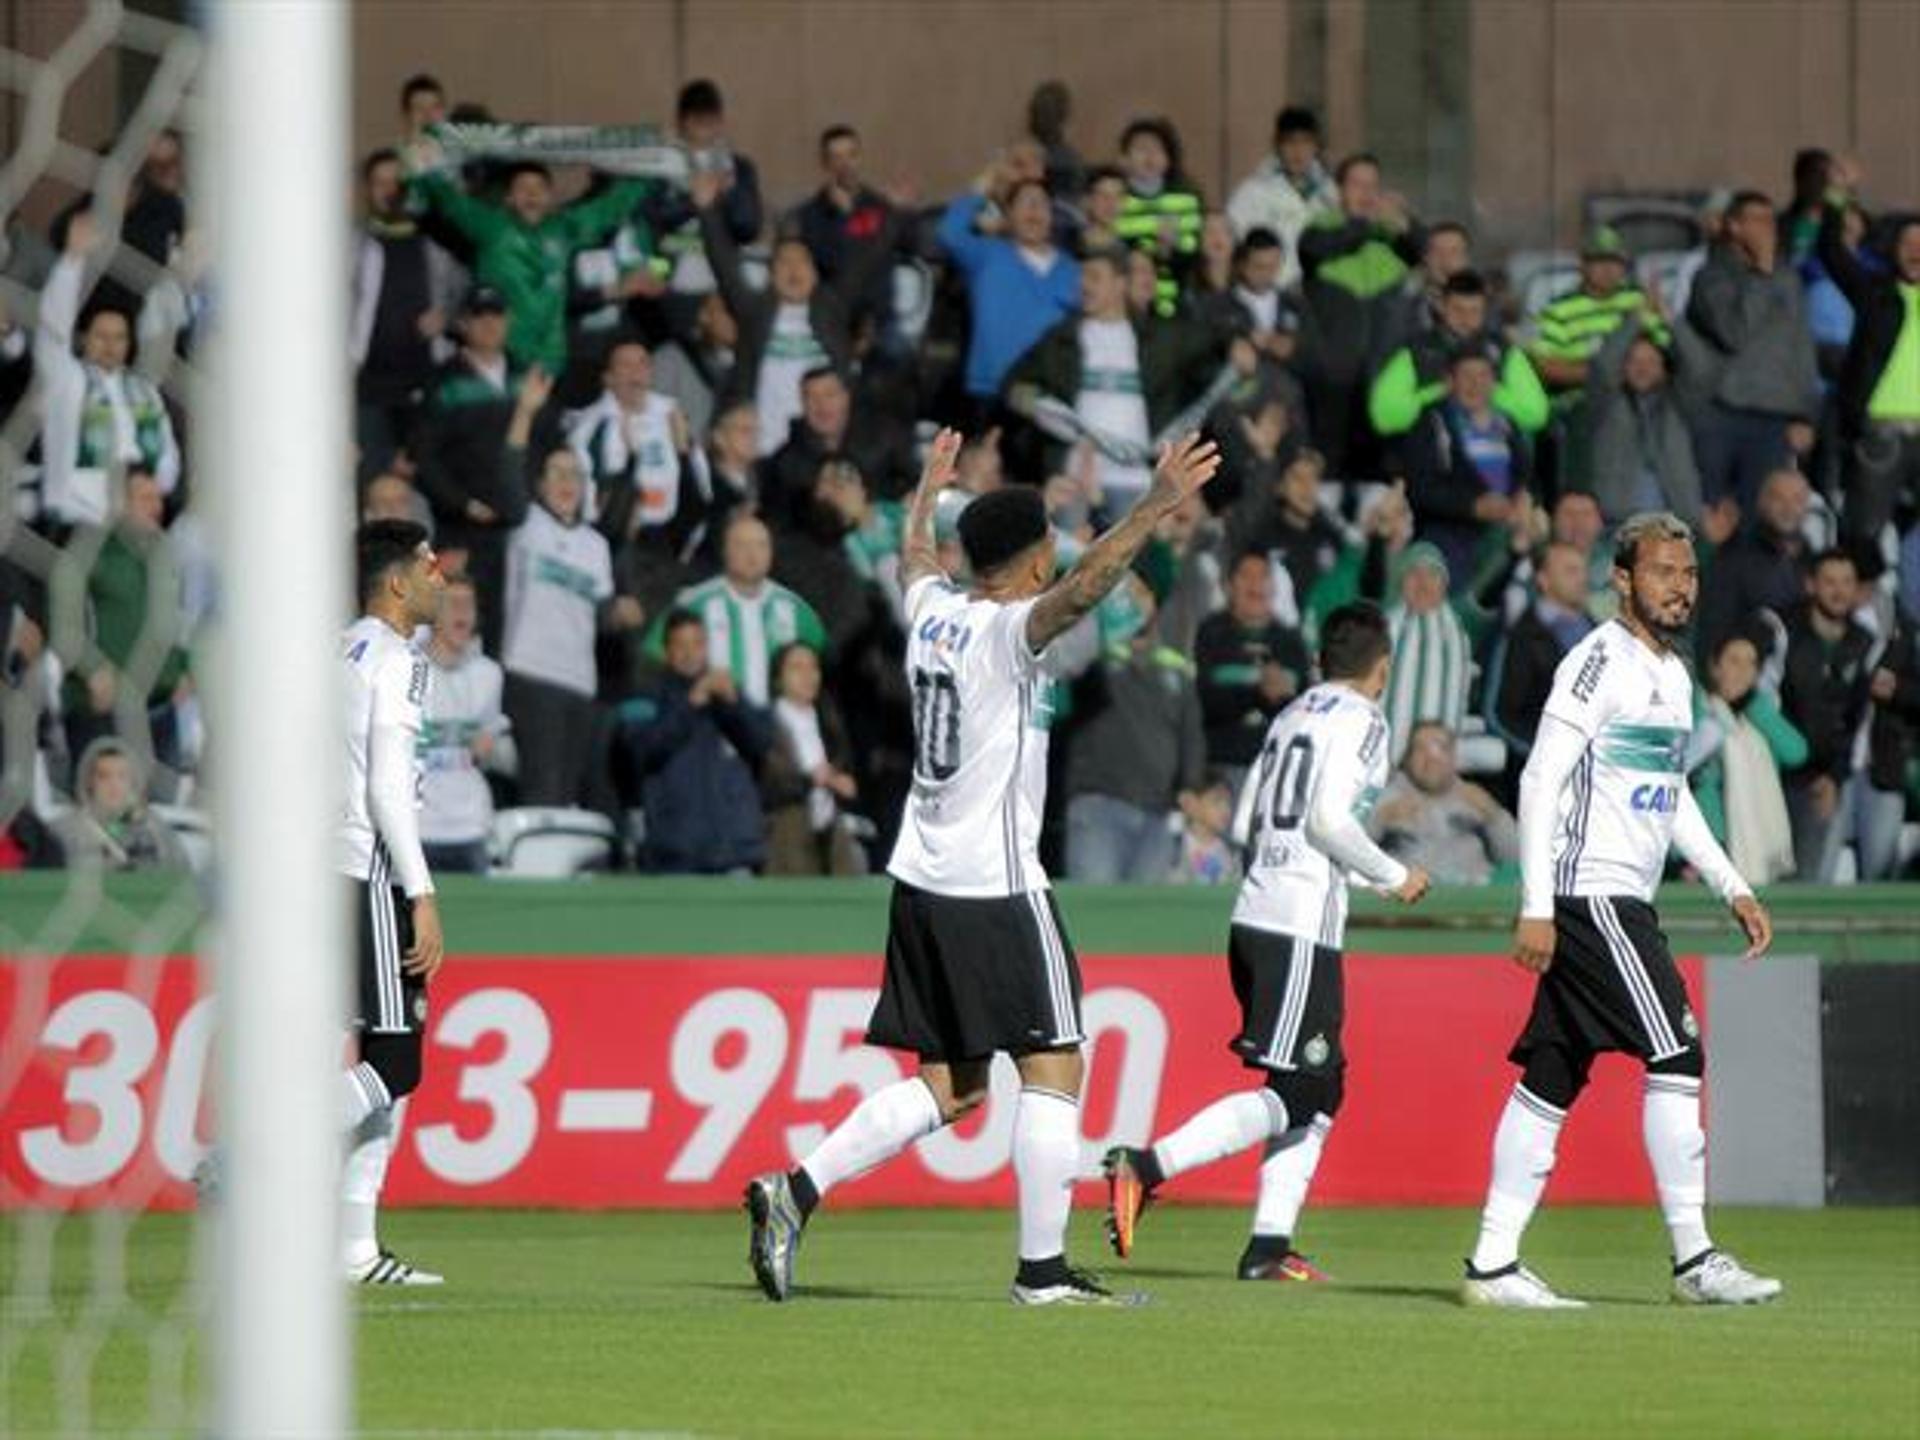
{"x": 379, "y": 850}
{"x": 1603, "y": 796}
{"x": 976, "y": 961}
{"x": 1323, "y": 765}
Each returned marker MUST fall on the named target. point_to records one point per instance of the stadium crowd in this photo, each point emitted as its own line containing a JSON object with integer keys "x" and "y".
{"x": 662, "y": 434}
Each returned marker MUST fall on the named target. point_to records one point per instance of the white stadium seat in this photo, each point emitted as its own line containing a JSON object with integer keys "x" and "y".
{"x": 552, "y": 841}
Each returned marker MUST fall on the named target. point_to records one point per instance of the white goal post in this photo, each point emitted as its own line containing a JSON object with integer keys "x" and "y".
{"x": 279, "y": 452}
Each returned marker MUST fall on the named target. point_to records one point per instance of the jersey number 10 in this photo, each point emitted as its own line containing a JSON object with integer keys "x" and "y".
{"x": 936, "y": 725}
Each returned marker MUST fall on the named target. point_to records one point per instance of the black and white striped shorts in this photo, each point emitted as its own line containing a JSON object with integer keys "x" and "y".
{"x": 967, "y": 977}
{"x": 1613, "y": 985}
{"x": 1292, "y": 1001}
{"x": 391, "y": 1002}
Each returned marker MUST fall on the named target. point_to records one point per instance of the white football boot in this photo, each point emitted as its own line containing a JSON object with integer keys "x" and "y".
{"x": 1719, "y": 1279}
{"x": 1514, "y": 1288}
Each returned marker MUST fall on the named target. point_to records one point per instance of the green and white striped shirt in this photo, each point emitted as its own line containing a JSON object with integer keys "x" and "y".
{"x": 744, "y": 631}
{"x": 1432, "y": 666}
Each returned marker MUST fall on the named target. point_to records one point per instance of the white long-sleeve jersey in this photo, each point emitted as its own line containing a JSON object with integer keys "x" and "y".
{"x": 1604, "y": 794}
{"x": 1302, "y": 816}
{"x": 386, "y": 692}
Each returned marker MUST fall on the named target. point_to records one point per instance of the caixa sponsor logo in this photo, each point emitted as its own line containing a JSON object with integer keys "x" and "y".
{"x": 1656, "y": 799}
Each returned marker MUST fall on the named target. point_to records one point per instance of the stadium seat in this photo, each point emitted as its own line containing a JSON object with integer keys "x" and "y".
{"x": 1536, "y": 278}
{"x": 1649, "y": 221}
{"x": 552, "y": 841}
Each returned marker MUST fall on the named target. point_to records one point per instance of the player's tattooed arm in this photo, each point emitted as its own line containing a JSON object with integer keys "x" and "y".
{"x": 919, "y": 551}
{"x": 1183, "y": 468}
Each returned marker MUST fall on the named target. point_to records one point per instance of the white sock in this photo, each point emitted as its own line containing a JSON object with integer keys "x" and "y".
{"x": 1522, "y": 1161}
{"x": 1285, "y": 1174}
{"x": 880, "y": 1127}
{"x": 1677, "y": 1147}
{"x": 1224, "y": 1128}
{"x": 362, "y": 1092}
{"x": 1046, "y": 1158}
{"x": 369, "y": 1148}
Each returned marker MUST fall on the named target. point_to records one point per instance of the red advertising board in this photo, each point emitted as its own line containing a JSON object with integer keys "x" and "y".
{"x": 668, "y": 1081}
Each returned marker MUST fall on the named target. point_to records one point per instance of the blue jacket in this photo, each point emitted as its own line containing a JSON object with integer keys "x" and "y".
{"x": 1012, "y": 306}
{"x": 695, "y": 769}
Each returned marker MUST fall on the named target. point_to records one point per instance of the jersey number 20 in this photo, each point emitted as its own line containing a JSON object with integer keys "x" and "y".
{"x": 1291, "y": 778}
{"x": 936, "y": 725}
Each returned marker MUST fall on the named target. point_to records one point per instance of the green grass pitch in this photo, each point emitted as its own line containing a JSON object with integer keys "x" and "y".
{"x": 593, "y": 1324}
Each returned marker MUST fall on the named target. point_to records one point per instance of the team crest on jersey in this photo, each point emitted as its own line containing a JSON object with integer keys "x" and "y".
{"x": 1689, "y": 1024}
{"x": 1316, "y": 1050}
{"x": 420, "y": 1008}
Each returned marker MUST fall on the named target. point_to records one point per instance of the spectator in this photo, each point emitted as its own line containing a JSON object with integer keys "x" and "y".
{"x": 1018, "y": 284}
{"x": 98, "y": 415}
{"x": 700, "y": 123}
{"x": 479, "y": 424}
{"x": 1248, "y": 666}
{"x": 794, "y": 326}
{"x": 524, "y": 247}
{"x": 1814, "y": 178}
{"x": 851, "y": 231}
{"x": 156, "y": 218}
{"x": 1288, "y": 522}
{"x": 1428, "y": 816}
{"x": 1116, "y": 377}
{"x": 813, "y": 556}
{"x": 1136, "y": 756}
{"x": 559, "y": 595}
{"x": 1467, "y": 465}
{"x": 1105, "y": 198}
{"x": 694, "y": 371}
{"x": 1446, "y": 250}
{"x": 1879, "y": 385}
{"x": 1161, "y": 214}
{"x": 692, "y": 744}
{"x": 1415, "y": 376}
{"x": 1741, "y": 746}
{"x": 466, "y": 738}
{"x": 1432, "y": 649}
{"x": 649, "y": 480}
{"x": 828, "y": 428}
{"x": 1048, "y": 110}
{"x": 1212, "y": 274}
{"x": 1254, "y": 307}
{"x": 1763, "y": 568}
{"x": 1893, "y": 741}
{"x": 1520, "y": 673}
{"x": 808, "y": 775}
{"x": 423, "y": 103}
{"x": 392, "y": 497}
{"x": 1206, "y": 855}
{"x": 404, "y": 288}
{"x": 118, "y": 630}
{"x": 1354, "y": 261}
{"x": 1639, "y": 451}
{"x": 1825, "y": 695}
{"x": 1286, "y": 189}
{"x": 733, "y": 443}
{"x": 1569, "y": 331}
{"x": 748, "y": 616}
{"x": 1712, "y": 222}
{"x": 110, "y": 826}
{"x": 1751, "y": 312}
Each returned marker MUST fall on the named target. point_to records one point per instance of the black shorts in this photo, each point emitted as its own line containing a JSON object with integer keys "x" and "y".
{"x": 1612, "y": 985}
{"x": 1292, "y": 1001}
{"x": 969, "y": 977}
{"x": 392, "y": 1002}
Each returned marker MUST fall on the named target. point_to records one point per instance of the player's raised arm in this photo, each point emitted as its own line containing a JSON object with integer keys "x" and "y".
{"x": 1183, "y": 468}
{"x": 919, "y": 551}
{"x": 1693, "y": 838}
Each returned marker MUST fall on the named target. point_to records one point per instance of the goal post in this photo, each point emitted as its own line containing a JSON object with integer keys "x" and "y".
{"x": 277, "y": 402}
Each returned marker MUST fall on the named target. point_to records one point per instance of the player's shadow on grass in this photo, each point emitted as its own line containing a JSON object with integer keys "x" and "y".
{"x": 816, "y": 1292}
